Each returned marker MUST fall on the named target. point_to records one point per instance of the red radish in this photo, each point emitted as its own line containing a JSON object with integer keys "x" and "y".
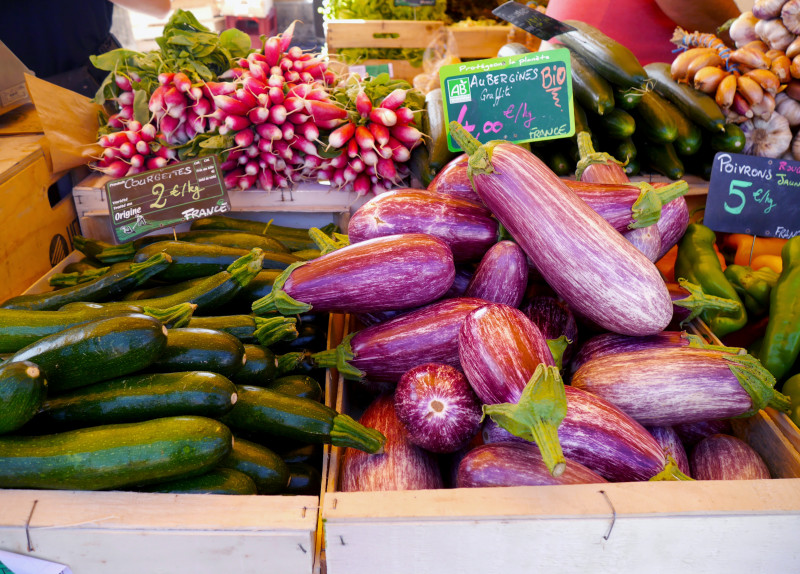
{"x": 339, "y": 161}
{"x": 305, "y": 146}
{"x": 341, "y": 135}
{"x": 155, "y": 163}
{"x": 361, "y": 185}
{"x": 244, "y": 138}
{"x": 294, "y": 104}
{"x": 324, "y": 111}
{"x": 265, "y": 180}
{"x": 231, "y": 105}
{"x": 253, "y": 86}
{"x": 116, "y": 169}
{"x": 364, "y": 138}
{"x": 405, "y": 116}
{"x": 123, "y": 82}
{"x": 213, "y": 89}
{"x": 126, "y": 150}
{"x": 142, "y": 148}
{"x": 407, "y": 135}
{"x": 278, "y": 114}
{"x": 272, "y": 50}
{"x": 276, "y": 95}
{"x": 352, "y": 148}
{"x": 554, "y": 320}
{"x": 501, "y": 276}
{"x": 258, "y": 115}
{"x": 692, "y": 433}
{"x": 370, "y": 157}
{"x": 386, "y": 170}
{"x": 269, "y": 132}
{"x": 292, "y": 76}
{"x": 308, "y": 130}
{"x": 125, "y": 99}
{"x": 384, "y": 151}
{"x": 394, "y": 100}
{"x": 287, "y": 131}
{"x": 165, "y": 78}
{"x": 383, "y": 116}
{"x": 401, "y": 466}
{"x": 516, "y": 464}
{"x": 723, "y": 457}
{"x": 113, "y": 140}
{"x": 299, "y": 118}
{"x": 329, "y": 124}
{"x": 363, "y": 104}
{"x": 182, "y": 82}
{"x": 437, "y": 407}
{"x": 379, "y": 132}
{"x": 317, "y": 94}
{"x": 671, "y": 444}
{"x": 237, "y": 123}
{"x": 400, "y": 153}
{"x": 114, "y": 121}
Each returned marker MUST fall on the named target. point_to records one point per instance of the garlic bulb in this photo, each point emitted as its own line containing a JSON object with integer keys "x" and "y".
{"x": 774, "y": 33}
{"x": 767, "y": 138}
{"x": 766, "y": 9}
{"x": 796, "y": 147}
{"x": 743, "y": 29}
{"x": 789, "y": 108}
{"x": 790, "y": 15}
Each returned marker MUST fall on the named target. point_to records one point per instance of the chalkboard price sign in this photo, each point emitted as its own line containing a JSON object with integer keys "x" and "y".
{"x": 415, "y": 3}
{"x": 754, "y": 195}
{"x": 520, "y": 98}
{"x": 165, "y": 197}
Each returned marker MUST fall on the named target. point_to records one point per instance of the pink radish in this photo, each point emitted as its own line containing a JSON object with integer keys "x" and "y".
{"x": 123, "y": 82}
{"x": 253, "y": 86}
{"x": 114, "y": 121}
{"x": 165, "y": 78}
{"x": 405, "y": 116}
{"x": 294, "y": 104}
{"x": 182, "y": 82}
{"x": 246, "y": 97}
{"x": 155, "y": 163}
{"x": 276, "y": 95}
{"x": 272, "y": 50}
{"x": 305, "y": 146}
{"x": 339, "y": 161}
{"x": 341, "y": 135}
{"x": 363, "y": 104}
{"x": 125, "y": 99}
{"x": 362, "y": 184}
{"x": 116, "y": 169}
{"x": 142, "y": 148}
{"x": 278, "y": 114}
{"x": 125, "y": 113}
{"x": 407, "y": 135}
{"x": 384, "y": 151}
{"x": 308, "y": 130}
{"x": 137, "y": 160}
{"x": 394, "y": 100}
{"x": 364, "y": 138}
{"x": 287, "y": 130}
{"x": 379, "y": 132}
{"x": 370, "y": 157}
{"x": 383, "y": 116}
{"x": 299, "y": 118}
{"x": 269, "y": 131}
{"x": 244, "y": 138}
{"x": 258, "y": 115}
{"x": 237, "y": 123}
{"x": 113, "y": 140}
{"x": 324, "y": 111}
{"x": 218, "y": 88}
{"x": 352, "y": 148}
{"x": 385, "y": 169}
{"x": 231, "y": 105}
{"x": 358, "y": 164}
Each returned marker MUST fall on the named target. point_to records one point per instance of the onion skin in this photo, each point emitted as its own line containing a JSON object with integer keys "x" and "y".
{"x": 454, "y": 180}
{"x": 672, "y": 445}
{"x": 611, "y": 343}
{"x": 437, "y": 407}
{"x": 502, "y": 275}
{"x": 554, "y": 319}
{"x": 466, "y": 227}
{"x": 692, "y": 433}
{"x": 401, "y": 466}
{"x": 516, "y": 464}
{"x": 590, "y": 265}
{"x": 724, "y": 457}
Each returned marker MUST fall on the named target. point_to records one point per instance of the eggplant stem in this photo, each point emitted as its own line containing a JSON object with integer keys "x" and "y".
{"x": 347, "y": 432}
{"x": 758, "y": 382}
{"x": 274, "y": 329}
{"x": 646, "y": 209}
{"x": 339, "y": 359}
{"x": 698, "y": 301}
{"x": 670, "y": 472}
{"x": 557, "y": 348}
{"x": 589, "y": 156}
{"x": 277, "y": 300}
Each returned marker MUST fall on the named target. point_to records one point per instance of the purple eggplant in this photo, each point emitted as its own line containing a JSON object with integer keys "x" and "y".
{"x": 510, "y": 367}
{"x": 401, "y": 466}
{"x": 554, "y": 320}
{"x": 601, "y": 437}
{"x": 381, "y": 274}
{"x": 672, "y": 224}
{"x": 628, "y": 205}
{"x": 453, "y": 180}
{"x": 681, "y": 385}
{"x": 724, "y": 457}
{"x": 671, "y": 443}
{"x": 692, "y": 433}
{"x": 460, "y": 283}
{"x": 515, "y": 464}
{"x": 502, "y": 275}
{"x": 597, "y": 167}
{"x": 467, "y": 227}
{"x": 689, "y": 301}
{"x": 645, "y": 239}
{"x": 589, "y": 264}
{"x": 438, "y": 407}
{"x": 385, "y": 351}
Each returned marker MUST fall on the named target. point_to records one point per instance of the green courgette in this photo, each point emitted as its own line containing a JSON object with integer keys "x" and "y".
{"x": 615, "y": 124}
{"x": 114, "y": 456}
{"x": 304, "y": 479}
{"x": 296, "y": 385}
{"x": 267, "y": 470}
{"x": 22, "y": 390}
{"x": 628, "y": 98}
{"x": 217, "y": 481}
{"x": 438, "y": 152}
{"x": 243, "y": 327}
{"x": 661, "y": 158}
{"x": 96, "y": 351}
{"x": 61, "y": 280}
{"x": 262, "y": 411}
{"x": 84, "y": 264}
{"x": 623, "y": 150}
{"x": 731, "y": 140}
{"x": 191, "y": 349}
{"x": 305, "y": 453}
{"x": 292, "y": 238}
{"x": 160, "y": 290}
{"x": 654, "y": 120}
{"x": 697, "y": 106}
{"x": 141, "y": 397}
{"x": 557, "y": 159}
{"x": 259, "y": 367}
{"x": 590, "y": 89}
{"x": 120, "y": 279}
{"x": 633, "y": 167}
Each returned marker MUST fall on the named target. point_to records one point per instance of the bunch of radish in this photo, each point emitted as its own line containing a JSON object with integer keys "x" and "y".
{"x": 124, "y": 101}
{"x": 180, "y": 109}
{"x": 133, "y": 150}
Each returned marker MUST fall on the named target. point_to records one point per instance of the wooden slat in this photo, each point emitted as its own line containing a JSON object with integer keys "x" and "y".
{"x": 760, "y": 432}
{"x": 362, "y": 33}
{"x": 480, "y": 41}
{"x": 788, "y": 428}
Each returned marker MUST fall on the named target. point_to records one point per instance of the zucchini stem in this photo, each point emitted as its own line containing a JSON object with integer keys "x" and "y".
{"x": 172, "y": 317}
{"x": 246, "y": 267}
{"x": 328, "y": 243}
{"x": 116, "y": 253}
{"x": 274, "y": 329}
{"x": 60, "y": 280}
{"x": 290, "y": 362}
{"x": 349, "y": 433}
{"x": 152, "y": 266}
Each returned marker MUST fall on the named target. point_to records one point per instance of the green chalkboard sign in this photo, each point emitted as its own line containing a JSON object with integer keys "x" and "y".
{"x": 519, "y": 98}
{"x": 754, "y": 195}
{"x": 165, "y": 197}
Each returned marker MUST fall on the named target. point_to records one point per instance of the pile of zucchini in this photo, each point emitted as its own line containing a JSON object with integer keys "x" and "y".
{"x": 144, "y": 369}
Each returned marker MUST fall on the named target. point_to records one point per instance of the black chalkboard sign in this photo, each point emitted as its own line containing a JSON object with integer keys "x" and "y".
{"x": 520, "y": 98}
{"x": 754, "y": 195}
{"x": 166, "y": 197}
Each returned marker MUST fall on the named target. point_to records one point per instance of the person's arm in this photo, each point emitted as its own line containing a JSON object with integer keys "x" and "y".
{"x": 699, "y": 15}
{"x": 156, "y": 8}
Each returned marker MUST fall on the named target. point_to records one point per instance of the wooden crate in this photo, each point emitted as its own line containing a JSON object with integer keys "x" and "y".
{"x": 480, "y": 41}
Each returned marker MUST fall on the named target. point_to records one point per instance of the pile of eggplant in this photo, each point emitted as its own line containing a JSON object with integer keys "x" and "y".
{"x": 480, "y": 296}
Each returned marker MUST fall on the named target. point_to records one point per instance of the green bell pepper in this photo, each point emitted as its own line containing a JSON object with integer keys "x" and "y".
{"x": 791, "y": 388}
{"x": 697, "y": 262}
{"x": 752, "y": 286}
{"x": 782, "y": 337}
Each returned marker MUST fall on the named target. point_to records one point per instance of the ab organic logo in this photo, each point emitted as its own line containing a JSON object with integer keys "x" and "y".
{"x": 458, "y": 90}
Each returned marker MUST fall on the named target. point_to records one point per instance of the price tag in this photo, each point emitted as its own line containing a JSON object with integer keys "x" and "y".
{"x": 520, "y": 98}
{"x": 754, "y": 195}
{"x": 166, "y": 197}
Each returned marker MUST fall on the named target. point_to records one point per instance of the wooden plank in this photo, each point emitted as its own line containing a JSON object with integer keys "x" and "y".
{"x": 364, "y": 33}
{"x": 479, "y": 41}
{"x": 787, "y": 427}
{"x": 17, "y": 153}
{"x": 760, "y": 432}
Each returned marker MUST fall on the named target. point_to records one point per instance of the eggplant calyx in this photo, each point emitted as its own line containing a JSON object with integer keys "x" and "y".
{"x": 349, "y": 433}
{"x": 670, "y": 472}
{"x": 699, "y": 301}
{"x": 328, "y": 243}
{"x": 758, "y": 382}
{"x": 589, "y": 156}
{"x": 246, "y": 267}
{"x": 536, "y": 416}
{"x": 339, "y": 359}
{"x": 274, "y": 329}
{"x": 173, "y": 317}
{"x": 646, "y": 210}
{"x": 557, "y": 348}
{"x": 278, "y": 300}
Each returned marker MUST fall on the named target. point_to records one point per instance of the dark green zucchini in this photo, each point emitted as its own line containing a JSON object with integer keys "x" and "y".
{"x": 96, "y": 351}
{"x": 615, "y": 124}
{"x": 304, "y": 479}
{"x": 260, "y": 286}
{"x": 160, "y": 290}
{"x": 114, "y": 456}
{"x": 590, "y": 89}
{"x": 61, "y": 280}
{"x": 141, "y": 397}
{"x": 216, "y": 481}
{"x": 731, "y": 140}
{"x": 22, "y": 390}
{"x": 628, "y": 98}
{"x": 293, "y": 238}
{"x": 653, "y": 120}
{"x": 262, "y": 411}
{"x": 309, "y": 336}
{"x": 661, "y": 158}
{"x": 200, "y": 350}
{"x": 243, "y": 327}
{"x": 84, "y": 264}
{"x": 267, "y": 470}
{"x": 259, "y": 367}
{"x": 309, "y": 453}
{"x": 120, "y": 279}
{"x": 297, "y": 386}
{"x": 91, "y": 247}
{"x": 697, "y": 106}
{"x": 558, "y": 160}
{"x": 623, "y": 150}
{"x": 633, "y": 167}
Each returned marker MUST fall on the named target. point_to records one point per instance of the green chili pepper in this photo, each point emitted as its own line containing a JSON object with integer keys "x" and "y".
{"x": 782, "y": 337}
{"x": 752, "y": 286}
{"x": 697, "y": 262}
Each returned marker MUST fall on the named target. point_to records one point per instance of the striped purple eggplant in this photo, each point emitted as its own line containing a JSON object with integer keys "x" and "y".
{"x": 671, "y": 443}
{"x": 628, "y": 205}
{"x": 647, "y": 240}
{"x": 672, "y": 224}
{"x": 724, "y": 457}
{"x": 681, "y": 385}
{"x": 501, "y": 276}
{"x": 381, "y": 274}
{"x": 590, "y": 265}
{"x": 401, "y": 466}
{"x": 385, "y": 351}
{"x": 692, "y": 433}
{"x": 467, "y": 228}
{"x": 511, "y": 369}
{"x": 689, "y": 301}
{"x": 554, "y": 320}
{"x": 515, "y": 464}
{"x": 461, "y": 282}
{"x": 454, "y": 180}
{"x": 601, "y": 437}
{"x": 438, "y": 407}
